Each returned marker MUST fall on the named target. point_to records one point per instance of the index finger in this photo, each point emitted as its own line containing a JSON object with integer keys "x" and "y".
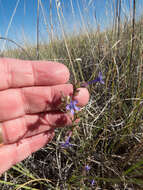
{"x": 16, "y": 73}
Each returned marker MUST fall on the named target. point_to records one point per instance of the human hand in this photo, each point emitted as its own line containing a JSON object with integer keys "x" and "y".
{"x": 30, "y": 92}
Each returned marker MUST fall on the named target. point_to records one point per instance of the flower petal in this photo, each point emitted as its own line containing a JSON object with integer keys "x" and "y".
{"x": 75, "y": 102}
{"x": 72, "y": 111}
{"x": 68, "y": 107}
{"x": 77, "y": 108}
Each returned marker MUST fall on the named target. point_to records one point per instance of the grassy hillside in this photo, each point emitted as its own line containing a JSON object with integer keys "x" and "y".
{"x": 109, "y": 137}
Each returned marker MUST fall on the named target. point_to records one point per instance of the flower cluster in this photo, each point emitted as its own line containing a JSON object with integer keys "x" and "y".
{"x": 72, "y": 107}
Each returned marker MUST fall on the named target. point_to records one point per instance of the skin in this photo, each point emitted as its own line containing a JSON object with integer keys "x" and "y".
{"x": 30, "y": 92}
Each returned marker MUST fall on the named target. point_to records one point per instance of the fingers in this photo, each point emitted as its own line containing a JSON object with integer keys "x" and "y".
{"x": 30, "y": 125}
{"x": 14, "y": 153}
{"x": 19, "y": 73}
{"x": 18, "y": 102}
{"x": 82, "y": 96}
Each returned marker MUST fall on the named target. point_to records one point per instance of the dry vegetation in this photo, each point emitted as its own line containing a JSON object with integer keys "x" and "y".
{"x": 110, "y": 135}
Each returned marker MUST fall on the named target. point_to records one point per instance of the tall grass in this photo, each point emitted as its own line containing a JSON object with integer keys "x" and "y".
{"x": 109, "y": 136}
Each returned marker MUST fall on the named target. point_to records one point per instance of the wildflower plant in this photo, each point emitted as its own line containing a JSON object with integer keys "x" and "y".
{"x": 70, "y": 105}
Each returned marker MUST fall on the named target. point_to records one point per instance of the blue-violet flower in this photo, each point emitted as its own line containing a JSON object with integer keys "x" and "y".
{"x": 72, "y": 106}
{"x": 87, "y": 167}
{"x": 98, "y": 79}
{"x": 92, "y": 182}
{"x": 67, "y": 143}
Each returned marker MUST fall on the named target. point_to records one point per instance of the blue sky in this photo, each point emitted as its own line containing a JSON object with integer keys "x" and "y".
{"x": 18, "y": 17}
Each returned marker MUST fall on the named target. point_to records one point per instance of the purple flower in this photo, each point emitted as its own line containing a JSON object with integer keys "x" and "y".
{"x": 72, "y": 106}
{"x": 87, "y": 167}
{"x": 92, "y": 182}
{"x": 66, "y": 143}
{"x": 98, "y": 79}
